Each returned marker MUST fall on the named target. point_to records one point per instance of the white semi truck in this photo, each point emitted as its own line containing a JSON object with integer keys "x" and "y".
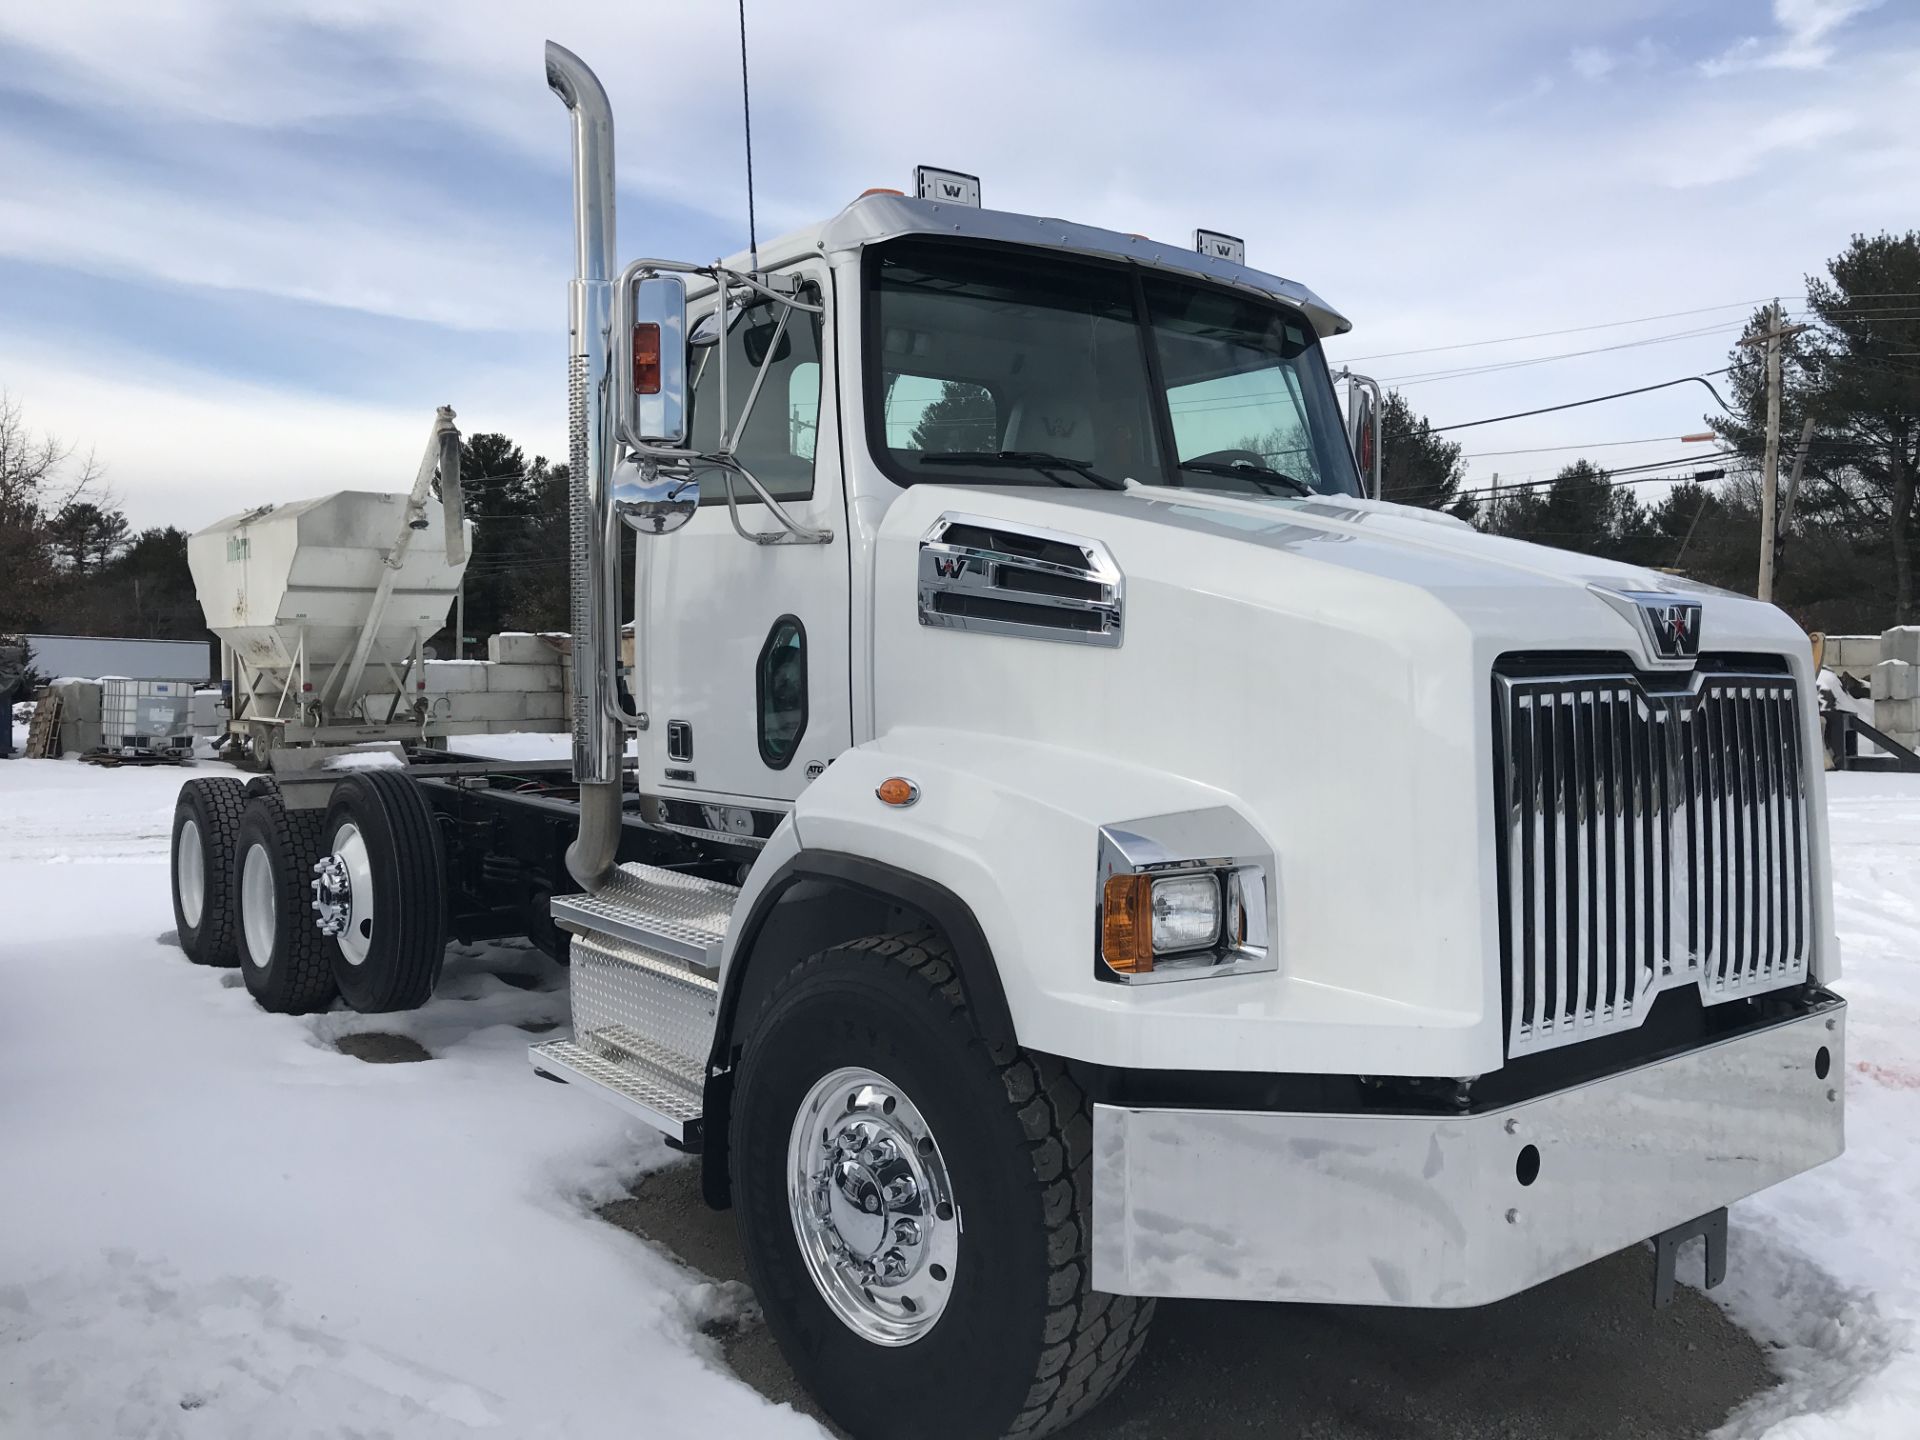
{"x": 1061, "y": 843}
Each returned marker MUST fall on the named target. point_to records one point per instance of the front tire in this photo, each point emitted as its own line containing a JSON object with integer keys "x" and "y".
{"x": 865, "y": 1083}
{"x": 206, "y": 825}
{"x": 280, "y": 954}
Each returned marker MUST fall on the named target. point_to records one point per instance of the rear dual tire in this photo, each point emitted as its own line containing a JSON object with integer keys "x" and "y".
{"x": 206, "y": 825}
{"x": 280, "y": 954}
{"x": 382, "y": 833}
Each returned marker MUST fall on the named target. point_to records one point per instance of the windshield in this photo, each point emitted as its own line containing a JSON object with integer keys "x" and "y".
{"x": 1000, "y": 366}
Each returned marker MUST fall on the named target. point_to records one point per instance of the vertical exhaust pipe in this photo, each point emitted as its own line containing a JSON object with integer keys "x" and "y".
{"x": 598, "y": 744}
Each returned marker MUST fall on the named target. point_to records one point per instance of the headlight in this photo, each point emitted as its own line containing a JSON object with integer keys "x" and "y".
{"x": 1181, "y": 896}
{"x": 1186, "y": 913}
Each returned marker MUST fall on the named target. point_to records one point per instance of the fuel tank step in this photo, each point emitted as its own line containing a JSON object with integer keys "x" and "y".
{"x": 679, "y": 916}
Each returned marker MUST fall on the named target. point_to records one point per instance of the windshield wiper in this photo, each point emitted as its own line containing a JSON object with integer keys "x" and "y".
{"x": 1025, "y": 460}
{"x": 1253, "y": 474}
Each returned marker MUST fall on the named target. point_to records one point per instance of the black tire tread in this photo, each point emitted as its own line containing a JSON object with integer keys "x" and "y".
{"x": 306, "y": 982}
{"x": 1091, "y": 1338}
{"x": 418, "y": 934}
{"x": 222, "y": 800}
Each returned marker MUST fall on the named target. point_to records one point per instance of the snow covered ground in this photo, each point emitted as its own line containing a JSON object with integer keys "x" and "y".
{"x": 212, "y": 1223}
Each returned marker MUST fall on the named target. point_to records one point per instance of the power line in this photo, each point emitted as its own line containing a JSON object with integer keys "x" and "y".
{"x": 1424, "y": 377}
{"x": 1595, "y": 400}
{"x": 1549, "y": 334}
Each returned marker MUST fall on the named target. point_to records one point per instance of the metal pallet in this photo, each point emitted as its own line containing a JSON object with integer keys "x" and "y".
{"x": 645, "y": 956}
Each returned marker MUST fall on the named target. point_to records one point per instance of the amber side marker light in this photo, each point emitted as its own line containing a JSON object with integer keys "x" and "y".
{"x": 646, "y": 359}
{"x": 1126, "y": 926}
{"x": 897, "y": 792}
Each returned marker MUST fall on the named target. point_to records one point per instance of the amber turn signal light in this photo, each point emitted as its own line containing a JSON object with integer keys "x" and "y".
{"x": 1126, "y": 925}
{"x": 898, "y": 792}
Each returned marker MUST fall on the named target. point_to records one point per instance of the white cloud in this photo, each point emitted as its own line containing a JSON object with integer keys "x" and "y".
{"x": 1805, "y": 28}
{"x": 1592, "y": 62}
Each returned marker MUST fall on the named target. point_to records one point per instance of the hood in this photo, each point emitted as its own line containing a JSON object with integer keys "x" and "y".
{"x": 1289, "y": 555}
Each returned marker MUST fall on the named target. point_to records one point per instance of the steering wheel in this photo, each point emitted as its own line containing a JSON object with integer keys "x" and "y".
{"x": 1253, "y": 459}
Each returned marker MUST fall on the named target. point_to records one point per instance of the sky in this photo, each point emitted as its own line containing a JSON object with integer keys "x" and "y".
{"x": 246, "y": 246}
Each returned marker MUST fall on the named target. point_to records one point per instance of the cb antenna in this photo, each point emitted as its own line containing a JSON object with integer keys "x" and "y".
{"x": 746, "y": 112}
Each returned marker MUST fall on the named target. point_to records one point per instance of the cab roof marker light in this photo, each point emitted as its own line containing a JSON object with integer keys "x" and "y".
{"x": 952, "y": 186}
{"x": 1218, "y": 246}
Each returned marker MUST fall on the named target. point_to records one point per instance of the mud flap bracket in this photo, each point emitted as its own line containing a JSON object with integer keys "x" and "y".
{"x": 1711, "y": 1228}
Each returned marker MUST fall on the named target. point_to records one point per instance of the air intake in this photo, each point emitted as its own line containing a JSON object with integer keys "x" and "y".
{"x": 992, "y": 578}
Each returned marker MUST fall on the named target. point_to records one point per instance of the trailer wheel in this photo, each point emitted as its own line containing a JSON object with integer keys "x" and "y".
{"x": 206, "y": 822}
{"x": 870, "y": 1117}
{"x": 280, "y": 954}
{"x": 381, "y": 892}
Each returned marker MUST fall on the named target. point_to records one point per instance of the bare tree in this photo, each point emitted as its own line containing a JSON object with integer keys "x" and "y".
{"x": 38, "y": 480}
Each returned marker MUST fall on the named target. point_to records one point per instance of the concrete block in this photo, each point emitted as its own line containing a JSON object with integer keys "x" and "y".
{"x": 481, "y": 705}
{"x": 517, "y": 647}
{"x": 1896, "y": 717}
{"x": 544, "y": 705}
{"x": 448, "y": 677}
{"x": 1895, "y": 680}
{"x": 1856, "y": 654}
{"x": 511, "y": 678}
{"x": 1901, "y": 643}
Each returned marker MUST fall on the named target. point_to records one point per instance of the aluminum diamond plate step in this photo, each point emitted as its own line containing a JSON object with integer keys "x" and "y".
{"x": 658, "y": 1096}
{"x": 664, "y": 911}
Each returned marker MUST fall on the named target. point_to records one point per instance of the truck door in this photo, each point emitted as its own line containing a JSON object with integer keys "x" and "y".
{"x": 742, "y": 665}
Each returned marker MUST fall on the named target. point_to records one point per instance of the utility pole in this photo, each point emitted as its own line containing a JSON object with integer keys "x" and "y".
{"x": 1793, "y": 483}
{"x": 460, "y": 620}
{"x": 1777, "y": 331}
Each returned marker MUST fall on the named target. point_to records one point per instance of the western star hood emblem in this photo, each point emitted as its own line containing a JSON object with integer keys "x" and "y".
{"x": 1670, "y": 622}
{"x": 1674, "y": 625}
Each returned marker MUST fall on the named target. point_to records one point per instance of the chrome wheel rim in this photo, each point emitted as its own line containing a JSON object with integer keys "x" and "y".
{"x": 872, "y": 1206}
{"x": 190, "y": 875}
{"x": 257, "y": 916}
{"x": 356, "y": 936}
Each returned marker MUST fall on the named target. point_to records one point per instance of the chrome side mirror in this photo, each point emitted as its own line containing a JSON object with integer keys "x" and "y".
{"x": 650, "y": 360}
{"x": 1365, "y": 415}
{"x": 651, "y": 502}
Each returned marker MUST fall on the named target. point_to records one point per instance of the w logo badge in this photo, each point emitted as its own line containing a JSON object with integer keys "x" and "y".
{"x": 1673, "y": 625}
{"x": 949, "y": 567}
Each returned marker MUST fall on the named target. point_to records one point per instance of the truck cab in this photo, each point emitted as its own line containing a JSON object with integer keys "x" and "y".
{"x": 1059, "y": 842}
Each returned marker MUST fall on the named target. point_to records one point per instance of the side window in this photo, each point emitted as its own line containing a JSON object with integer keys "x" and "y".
{"x": 780, "y": 691}
{"x": 779, "y": 440}
{"x": 925, "y": 416}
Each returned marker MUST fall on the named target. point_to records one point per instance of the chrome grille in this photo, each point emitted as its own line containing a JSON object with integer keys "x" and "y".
{"x": 1649, "y": 839}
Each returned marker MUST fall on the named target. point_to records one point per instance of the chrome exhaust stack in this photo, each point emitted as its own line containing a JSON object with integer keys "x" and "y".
{"x": 598, "y": 743}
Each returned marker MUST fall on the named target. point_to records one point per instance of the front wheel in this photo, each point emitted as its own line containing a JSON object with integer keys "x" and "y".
{"x": 914, "y": 1206}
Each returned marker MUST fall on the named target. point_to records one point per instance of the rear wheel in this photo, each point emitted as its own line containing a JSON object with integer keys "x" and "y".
{"x": 280, "y": 953}
{"x": 380, "y": 892}
{"x": 206, "y": 823}
{"x": 870, "y": 1121}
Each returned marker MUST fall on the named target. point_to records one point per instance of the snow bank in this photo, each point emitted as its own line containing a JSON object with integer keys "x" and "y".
{"x": 214, "y": 1224}
{"x": 1826, "y": 1268}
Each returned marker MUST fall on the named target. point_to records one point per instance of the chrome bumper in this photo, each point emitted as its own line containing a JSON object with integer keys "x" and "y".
{"x": 1432, "y": 1211}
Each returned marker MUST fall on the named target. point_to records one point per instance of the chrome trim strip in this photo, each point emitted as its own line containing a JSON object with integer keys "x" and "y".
{"x": 1429, "y": 1210}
